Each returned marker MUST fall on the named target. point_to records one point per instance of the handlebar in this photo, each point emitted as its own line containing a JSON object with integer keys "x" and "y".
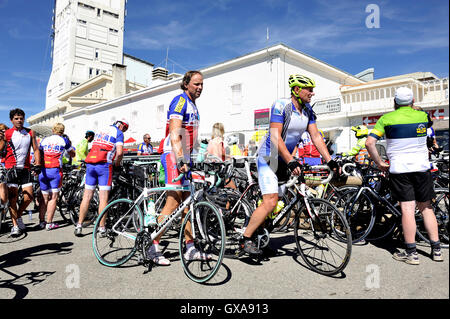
{"x": 344, "y": 169}
{"x": 293, "y": 179}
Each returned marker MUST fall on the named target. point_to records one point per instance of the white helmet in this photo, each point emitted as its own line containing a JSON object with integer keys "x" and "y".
{"x": 232, "y": 139}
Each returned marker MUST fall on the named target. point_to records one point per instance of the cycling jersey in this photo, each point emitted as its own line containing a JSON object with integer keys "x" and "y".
{"x": 54, "y": 147}
{"x": 145, "y": 149}
{"x": 406, "y": 139}
{"x": 104, "y": 145}
{"x": 294, "y": 124}
{"x": 18, "y": 144}
{"x": 184, "y": 109}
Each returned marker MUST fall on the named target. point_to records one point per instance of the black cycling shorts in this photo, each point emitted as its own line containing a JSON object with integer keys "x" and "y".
{"x": 416, "y": 186}
{"x": 19, "y": 176}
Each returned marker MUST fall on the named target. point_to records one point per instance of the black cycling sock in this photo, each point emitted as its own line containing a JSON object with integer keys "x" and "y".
{"x": 410, "y": 248}
{"x": 435, "y": 245}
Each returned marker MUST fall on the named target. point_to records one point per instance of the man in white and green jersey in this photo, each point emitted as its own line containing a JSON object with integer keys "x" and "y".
{"x": 410, "y": 178}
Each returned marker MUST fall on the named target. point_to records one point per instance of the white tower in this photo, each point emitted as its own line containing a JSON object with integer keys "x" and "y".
{"x": 87, "y": 41}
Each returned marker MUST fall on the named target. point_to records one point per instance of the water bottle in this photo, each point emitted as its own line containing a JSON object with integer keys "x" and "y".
{"x": 319, "y": 190}
{"x": 150, "y": 214}
{"x": 202, "y": 151}
{"x": 30, "y": 215}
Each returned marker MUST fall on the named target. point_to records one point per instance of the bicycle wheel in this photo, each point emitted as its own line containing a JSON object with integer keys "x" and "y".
{"x": 325, "y": 241}
{"x": 74, "y": 208}
{"x": 124, "y": 221}
{"x": 3, "y": 212}
{"x": 236, "y": 213}
{"x": 360, "y": 214}
{"x": 440, "y": 207}
{"x": 209, "y": 235}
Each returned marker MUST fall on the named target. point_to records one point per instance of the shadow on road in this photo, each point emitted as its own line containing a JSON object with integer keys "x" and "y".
{"x": 17, "y": 284}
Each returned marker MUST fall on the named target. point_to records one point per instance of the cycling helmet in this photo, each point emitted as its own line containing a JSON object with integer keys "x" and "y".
{"x": 232, "y": 139}
{"x": 124, "y": 122}
{"x": 302, "y": 82}
{"x": 360, "y": 130}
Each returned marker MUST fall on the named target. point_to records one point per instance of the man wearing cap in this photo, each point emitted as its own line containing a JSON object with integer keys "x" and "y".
{"x": 106, "y": 152}
{"x": 410, "y": 178}
{"x": 82, "y": 148}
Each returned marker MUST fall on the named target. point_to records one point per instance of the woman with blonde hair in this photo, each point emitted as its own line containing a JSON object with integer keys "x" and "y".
{"x": 50, "y": 179}
{"x": 215, "y": 145}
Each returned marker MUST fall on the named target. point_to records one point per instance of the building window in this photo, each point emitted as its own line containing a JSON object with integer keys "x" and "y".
{"x": 97, "y": 52}
{"x": 160, "y": 116}
{"x": 236, "y": 98}
{"x": 99, "y": 12}
{"x": 111, "y": 14}
{"x": 91, "y": 72}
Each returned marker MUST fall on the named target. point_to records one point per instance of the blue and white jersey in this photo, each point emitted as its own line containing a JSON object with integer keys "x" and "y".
{"x": 182, "y": 108}
{"x": 297, "y": 124}
{"x": 53, "y": 148}
{"x": 104, "y": 145}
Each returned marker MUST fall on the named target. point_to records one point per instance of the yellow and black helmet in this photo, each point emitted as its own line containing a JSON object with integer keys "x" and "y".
{"x": 301, "y": 81}
{"x": 360, "y": 130}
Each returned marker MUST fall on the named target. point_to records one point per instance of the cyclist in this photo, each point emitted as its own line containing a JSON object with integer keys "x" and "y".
{"x": 409, "y": 170}
{"x": 181, "y": 134}
{"x": 50, "y": 178}
{"x": 3, "y": 178}
{"x": 106, "y": 152}
{"x": 145, "y": 148}
{"x": 307, "y": 151}
{"x": 82, "y": 148}
{"x": 18, "y": 141}
{"x": 359, "y": 151}
{"x": 289, "y": 119}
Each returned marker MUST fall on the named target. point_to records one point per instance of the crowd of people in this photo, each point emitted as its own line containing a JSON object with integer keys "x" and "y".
{"x": 293, "y": 134}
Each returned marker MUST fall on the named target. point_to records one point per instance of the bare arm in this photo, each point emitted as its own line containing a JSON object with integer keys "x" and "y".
{"x": 370, "y": 145}
{"x": 37, "y": 153}
{"x": 119, "y": 155}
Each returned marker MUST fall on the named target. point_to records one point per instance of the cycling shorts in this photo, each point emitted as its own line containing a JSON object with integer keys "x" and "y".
{"x": 50, "y": 180}
{"x": 99, "y": 174}
{"x": 19, "y": 176}
{"x": 171, "y": 171}
{"x": 3, "y": 174}
{"x": 268, "y": 177}
{"x": 416, "y": 186}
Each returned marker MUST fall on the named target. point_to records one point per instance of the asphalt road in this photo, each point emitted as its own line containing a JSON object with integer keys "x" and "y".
{"x": 57, "y": 265}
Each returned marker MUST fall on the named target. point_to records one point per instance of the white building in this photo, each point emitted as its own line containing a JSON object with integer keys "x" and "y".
{"x": 87, "y": 41}
{"x": 238, "y": 91}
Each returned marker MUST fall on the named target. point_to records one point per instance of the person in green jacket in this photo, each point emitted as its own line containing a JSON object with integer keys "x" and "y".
{"x": 359, "y": 151}
{"x": 82, "y": 148}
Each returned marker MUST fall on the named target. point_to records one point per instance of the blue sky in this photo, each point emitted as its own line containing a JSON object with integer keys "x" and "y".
{"x": 412, "y": 36}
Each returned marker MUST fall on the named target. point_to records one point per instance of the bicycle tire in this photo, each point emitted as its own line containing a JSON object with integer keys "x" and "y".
{"x": 209, "y": 237}
{"x": 440, "y": 207}
{"x": 3, "y": 212}
{"x": 92, "y": 212}
{"x": 331, "y": 236}
{"x": 360, "y": 214}
{"x": 236, "y": 215}
{"x": 108, "y": 247}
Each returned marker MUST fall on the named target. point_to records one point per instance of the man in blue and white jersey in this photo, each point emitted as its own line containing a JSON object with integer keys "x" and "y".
{"x": 106, "y": 152}
{"x": 288, "y": 120}
{"x": 145, "y": 148}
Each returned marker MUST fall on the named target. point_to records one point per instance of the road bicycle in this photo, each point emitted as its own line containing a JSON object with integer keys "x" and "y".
{"x": 321, "y": 232}
{"x": 126, "y": 234}
{"x": 374, "y": 215}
